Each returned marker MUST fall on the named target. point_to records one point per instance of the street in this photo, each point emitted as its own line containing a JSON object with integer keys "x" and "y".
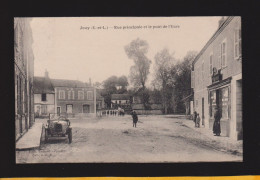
{"x": 113, "y": 139}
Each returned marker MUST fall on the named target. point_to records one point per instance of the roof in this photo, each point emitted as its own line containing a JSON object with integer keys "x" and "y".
{"x": 120, "y": 97}
{"x": 68, "y": 83}
{"x": 42, "y": 85}
{"x": 215, "y": 35}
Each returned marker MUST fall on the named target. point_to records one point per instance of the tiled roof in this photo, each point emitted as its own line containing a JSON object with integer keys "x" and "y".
{"x": 42, "y": 85}
{"x": 68, "y": 83}
{"x": 120, "y": 97}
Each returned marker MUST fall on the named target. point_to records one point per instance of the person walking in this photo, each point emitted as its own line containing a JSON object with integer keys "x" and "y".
{"x": 198, "y": 120}
{"x": 135, "y": 118}
{"x": 216, "y": 125}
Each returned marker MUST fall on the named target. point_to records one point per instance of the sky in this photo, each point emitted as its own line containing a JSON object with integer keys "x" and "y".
{"x": 68, "y": 50}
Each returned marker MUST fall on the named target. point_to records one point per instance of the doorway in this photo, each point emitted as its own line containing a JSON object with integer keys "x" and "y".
{"x": 86, "y": 108}
{"x": 58, "y": 111}
{"x": 69, "y": 108}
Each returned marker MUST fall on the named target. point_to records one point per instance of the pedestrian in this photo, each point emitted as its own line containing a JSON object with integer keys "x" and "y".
{"x": 135, "y": 118}
{"x": 216, "y": 125}
{"x": 194, "y": 117}
{"x": 198, "y": 120}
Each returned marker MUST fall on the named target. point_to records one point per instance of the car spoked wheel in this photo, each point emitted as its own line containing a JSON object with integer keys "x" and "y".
{"x": 70, "y": 135}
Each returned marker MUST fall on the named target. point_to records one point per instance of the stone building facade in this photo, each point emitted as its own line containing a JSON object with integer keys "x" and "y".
{"x": 23, "y": 78}
{"x": 217, "y": 78}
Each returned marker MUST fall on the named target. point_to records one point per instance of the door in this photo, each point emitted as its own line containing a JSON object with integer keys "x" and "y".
{"x": 202, "y": 115}
{"x": 86, "y": 108}
{"x": 69, "y": 108}
{"x": 58, "y": 111}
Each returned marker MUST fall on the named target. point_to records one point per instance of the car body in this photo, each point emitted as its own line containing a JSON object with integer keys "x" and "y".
{"x": 59, "y": 126}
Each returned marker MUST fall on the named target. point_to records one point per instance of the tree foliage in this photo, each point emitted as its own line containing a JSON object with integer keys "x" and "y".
{"x": 137, "y": 51}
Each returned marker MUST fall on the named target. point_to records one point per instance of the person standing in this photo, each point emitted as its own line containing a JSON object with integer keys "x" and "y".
{"x": 135, "y": 118}
{"x": 198, "y": 120}
{"x": 216, "y": 125}
{"x": 195, "y": 117}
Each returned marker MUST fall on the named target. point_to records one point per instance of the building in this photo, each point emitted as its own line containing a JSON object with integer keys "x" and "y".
{"x": 154, "y": 105}
{"x": 44, "y": 96}
{"x": 23, "y": 78}
{"x": 120, "y": 100}
{"x": 73, "y": 97}
{"x": 217, "y": 78}
{"x": 65, "y": 97}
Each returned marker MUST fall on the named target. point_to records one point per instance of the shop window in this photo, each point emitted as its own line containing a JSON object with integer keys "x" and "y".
{"x": 213, "y": 103}
{"x": 224, "y": 103}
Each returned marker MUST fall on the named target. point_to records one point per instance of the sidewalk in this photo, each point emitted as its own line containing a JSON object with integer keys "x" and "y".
{"x": 220, "y": 142}
{"x": 30, "y": 139}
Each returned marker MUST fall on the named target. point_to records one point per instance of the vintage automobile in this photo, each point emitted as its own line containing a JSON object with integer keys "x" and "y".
{"x": 59, "y": 127}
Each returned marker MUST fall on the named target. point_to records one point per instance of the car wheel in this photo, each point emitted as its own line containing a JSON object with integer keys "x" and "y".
{"x": 70, "y": 135}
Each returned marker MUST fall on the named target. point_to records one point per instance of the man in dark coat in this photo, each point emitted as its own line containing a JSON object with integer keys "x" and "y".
{"x": 216, "y": 125}
{"x": 195, "y": 117}
{"x": 135, "y": 118}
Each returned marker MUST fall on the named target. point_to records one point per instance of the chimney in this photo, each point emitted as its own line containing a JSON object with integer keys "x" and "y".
{"x": 46, "y": 74}
{"x": 90, "y": 81}
{"x": 221, "y": 21}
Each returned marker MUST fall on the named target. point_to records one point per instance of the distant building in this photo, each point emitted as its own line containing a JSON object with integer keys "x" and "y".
{"x": 65, "y": 97}
{"x": 120, "y": 100}
{"x": 154, "y": 106}
{"x": 217, "y": 78}
{"x": 24, "y": 71}
{"x": 44, "y": 96}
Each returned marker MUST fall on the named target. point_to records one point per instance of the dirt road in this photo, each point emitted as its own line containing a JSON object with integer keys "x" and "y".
{"x": 113, "y": 139}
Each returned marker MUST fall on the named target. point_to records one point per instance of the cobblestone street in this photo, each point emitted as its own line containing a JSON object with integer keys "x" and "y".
{"x": 113, "y": 139}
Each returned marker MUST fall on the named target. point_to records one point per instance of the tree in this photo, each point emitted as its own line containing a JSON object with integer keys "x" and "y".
{"x": 181, "y": 82}
{"x": 110, "y": 88}
{"x": 137, "y": 51}
{"x": 122, "y": 83}
{"x": 163, "y": 62}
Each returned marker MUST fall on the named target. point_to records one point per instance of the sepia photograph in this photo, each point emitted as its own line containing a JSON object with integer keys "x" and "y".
{"x": 128, "y": 89}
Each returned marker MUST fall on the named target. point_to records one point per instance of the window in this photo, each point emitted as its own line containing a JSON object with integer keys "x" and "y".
{"x": 81, "y": 95}
{"x": 210, "y": 64}
{"x": 61, "y": 94}
{"x": 70, "y": 94}
{"x": 238, "y": 49}
{"x": 192, "y": 79}
{"x": 44, "y": 98}
{"x": 89, "y": 95}
{"x": 223, "y": 54}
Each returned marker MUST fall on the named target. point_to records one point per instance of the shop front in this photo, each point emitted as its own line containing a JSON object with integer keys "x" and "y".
{"x": 219, "y": 97}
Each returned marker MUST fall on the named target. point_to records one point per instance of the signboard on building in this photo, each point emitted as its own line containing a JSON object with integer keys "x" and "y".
{"x": 217, "y": 76}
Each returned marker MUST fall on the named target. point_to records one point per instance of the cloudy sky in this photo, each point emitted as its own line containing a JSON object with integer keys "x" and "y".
{"x": 68, "y": 52}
